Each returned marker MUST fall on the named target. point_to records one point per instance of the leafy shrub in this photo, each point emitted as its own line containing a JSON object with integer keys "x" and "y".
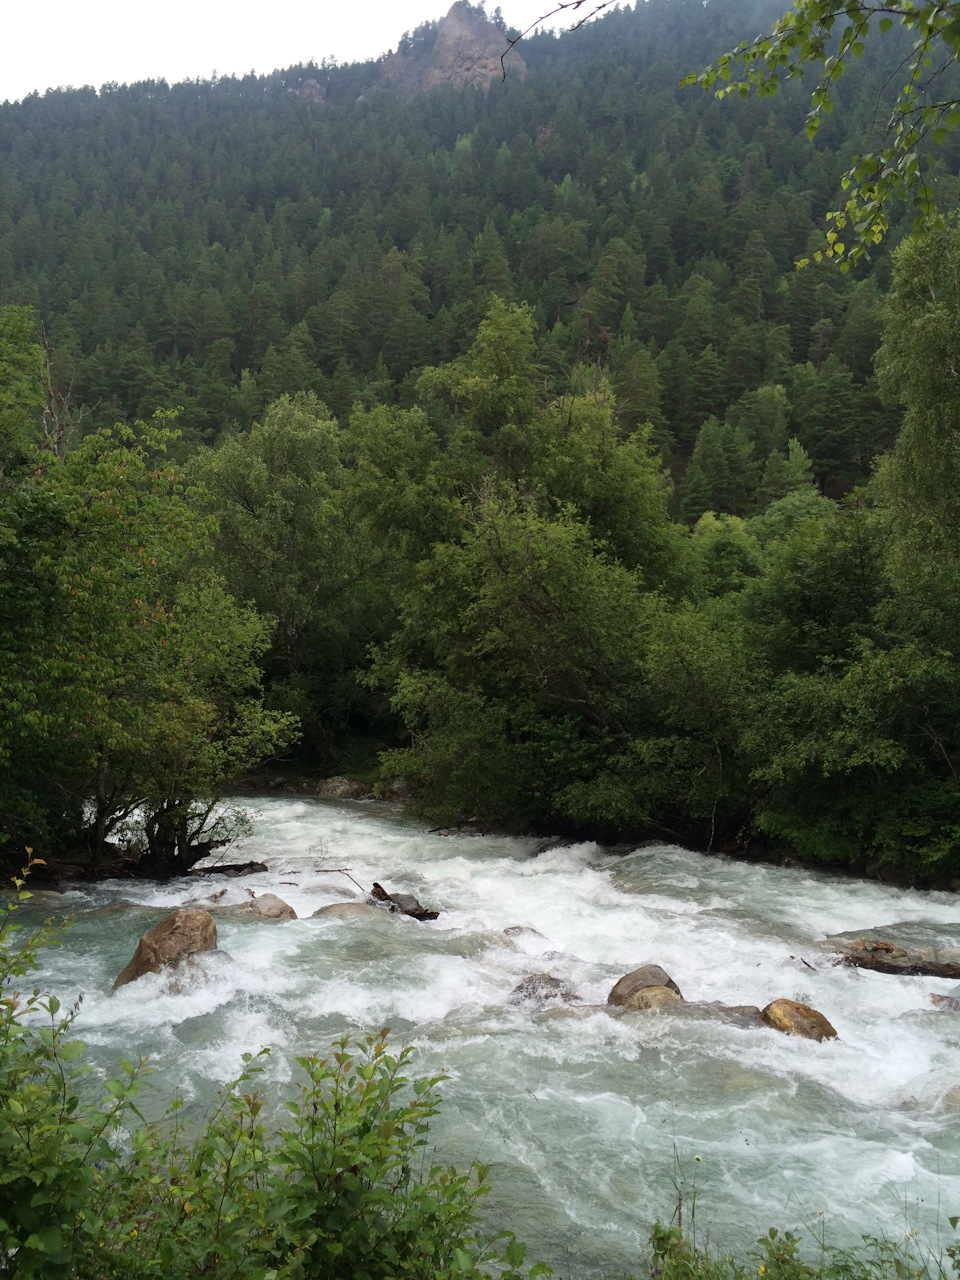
{"x": 91, "y": 1190}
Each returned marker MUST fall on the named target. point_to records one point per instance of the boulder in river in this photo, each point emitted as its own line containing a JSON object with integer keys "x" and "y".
{"x": 648, "y": 975}
{"x": 539, "y": 989}
{"x": 795, "y": 1019}
{"x": 404, "y": 903}
{"x": 651, "y": 998}
{"x": 266, "y": 906}
{"x": 908, "y": 948}
{"x": 182, "y": 933}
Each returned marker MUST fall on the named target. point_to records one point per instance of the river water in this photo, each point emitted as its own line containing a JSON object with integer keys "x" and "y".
{"x": 590, "y": 1123}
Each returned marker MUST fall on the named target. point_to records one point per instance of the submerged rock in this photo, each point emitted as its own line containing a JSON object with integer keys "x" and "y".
{"x": 182, "y": 933}
{"x": 267, "y": 906}
{"x": 352, "y": 911}
{"x": 648, "y": 975}
{"x": 950, "y": 1003}
{"x": 795, "y": 1019}
{"x": 737, "y": 1015}
{"x": 541, "y": 988}
{"x": 552, "y": 1011}
{"x": 651, "y": 998}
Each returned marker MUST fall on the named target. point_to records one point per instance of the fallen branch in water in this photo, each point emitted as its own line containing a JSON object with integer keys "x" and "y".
{"x": 345, "y": 871}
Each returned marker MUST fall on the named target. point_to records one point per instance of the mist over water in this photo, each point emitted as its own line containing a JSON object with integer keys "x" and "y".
{"x": 587, "y": 1121}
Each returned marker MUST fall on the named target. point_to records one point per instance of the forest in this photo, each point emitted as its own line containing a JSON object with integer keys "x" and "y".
{"x": 489, "y": 442}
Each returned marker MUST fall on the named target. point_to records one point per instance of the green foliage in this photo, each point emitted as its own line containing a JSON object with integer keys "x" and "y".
{"x": 284, "y": 540}
{"x": 514, "y": 666}
{"x": 89, "y": 1189}
{"x": 828, "y": 34}
{"x": 129, "y": 673}
{"x": 22, "y": 383}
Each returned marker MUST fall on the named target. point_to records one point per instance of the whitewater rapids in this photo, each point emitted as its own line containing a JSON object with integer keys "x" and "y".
{"x": 590, "y": 1124}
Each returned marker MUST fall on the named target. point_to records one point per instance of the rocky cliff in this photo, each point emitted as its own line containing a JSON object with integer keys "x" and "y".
{"x": 466, "y": 50}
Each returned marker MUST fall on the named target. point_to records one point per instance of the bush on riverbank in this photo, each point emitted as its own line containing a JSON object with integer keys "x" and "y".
{"x": 777, "y": 1256}
{"x": 91, "y": 1190}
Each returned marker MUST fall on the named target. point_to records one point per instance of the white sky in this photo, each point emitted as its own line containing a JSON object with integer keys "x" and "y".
{"x": 77, "y": 42}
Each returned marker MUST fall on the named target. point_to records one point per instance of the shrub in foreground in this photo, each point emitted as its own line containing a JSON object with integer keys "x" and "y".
{"x": 89, "y": 1191}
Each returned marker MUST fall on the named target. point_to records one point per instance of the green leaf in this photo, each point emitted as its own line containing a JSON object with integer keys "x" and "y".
{"x": 46, "y": 1241}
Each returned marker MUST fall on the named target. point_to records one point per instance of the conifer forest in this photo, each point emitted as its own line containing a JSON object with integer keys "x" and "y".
{"x": 488, "y": 441}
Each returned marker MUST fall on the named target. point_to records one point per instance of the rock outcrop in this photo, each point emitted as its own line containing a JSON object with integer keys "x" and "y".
{"x": 648, "y": 975}
{"x": 182, "y": 933}
{"x": 340, "y": 788}
{"x": 795, "y": 1019}
{"x": 465, "y": 51}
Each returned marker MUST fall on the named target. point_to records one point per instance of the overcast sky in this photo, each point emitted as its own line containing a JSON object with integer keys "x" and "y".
{"x": 77, "y": 42}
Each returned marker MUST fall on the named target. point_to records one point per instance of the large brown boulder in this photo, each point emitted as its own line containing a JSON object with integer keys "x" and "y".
{"x": 648, "y": 975}
{"x": 795, "y": 1019}
{"x": 651, "y": 998}
{"x": 184, "y": 932}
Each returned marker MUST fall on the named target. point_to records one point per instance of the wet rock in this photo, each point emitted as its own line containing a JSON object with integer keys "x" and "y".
{"x": 522, "y": 931}
{"x": 950, "y": 1003}
{"x": 404, "y": 903}
{"x": 340, "y": 788}
{"x": 651, "y": 998}
{"x": 907, "y": 948}
{"x": 542, "y": 988}
{"x": 795, "y": 1019}
{"x": 352, "y": 911}
{"x": 232, "y": 869}
{"x": 267, "y": 906}
{"x": 182, "y": 933}
{"x": 648, "y": 975}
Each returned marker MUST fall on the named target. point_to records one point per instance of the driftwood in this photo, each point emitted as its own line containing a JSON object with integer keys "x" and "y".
{"x": 405, "y": 903}
{"x": 231, "y": 869}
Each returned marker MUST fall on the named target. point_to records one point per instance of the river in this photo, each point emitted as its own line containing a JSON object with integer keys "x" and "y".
{"x": 589, "y": 1123}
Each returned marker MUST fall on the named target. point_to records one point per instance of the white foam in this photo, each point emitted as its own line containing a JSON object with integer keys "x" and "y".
{"x": 584, "y": 1118}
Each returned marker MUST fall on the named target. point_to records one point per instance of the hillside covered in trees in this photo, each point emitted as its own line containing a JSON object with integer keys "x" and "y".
{"x": 509, "y": 444}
